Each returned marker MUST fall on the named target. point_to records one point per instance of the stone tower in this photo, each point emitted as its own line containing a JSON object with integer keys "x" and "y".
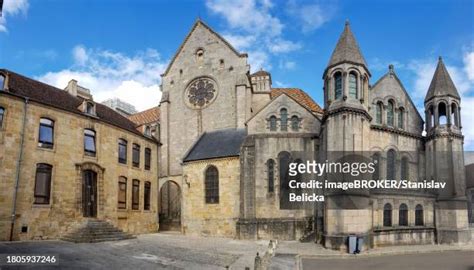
{"x": 346, "y": 125}
{"x": 444, "y": 156}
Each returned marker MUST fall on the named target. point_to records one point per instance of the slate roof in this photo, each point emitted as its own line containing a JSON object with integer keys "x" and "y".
{"x": 151, "y": 115}
{"x": 347, "y": 50}
{"x": 217, "y": 144}
{"x": 299, "y": 96}
{"x": 36, "y": 91}
{"x": 441, "y": 84}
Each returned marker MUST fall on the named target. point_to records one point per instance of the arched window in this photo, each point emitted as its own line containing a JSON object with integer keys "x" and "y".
{"x": 378, "y": 113}
{"x": 387, "y": 215}
{"x": 442, "y": 116}
{"x": 391, "y": 171}
{"x": 352, "y": 85}
{"x": 376, "y": 161}
{"x": 271, "y": 175}
{"x": 284, "y": 159}
{"x": 284, "y": 119}
{"x": 2, "y": 113}
{"x": 404, "y": 168}
{"x": 403, "y": 215}
{"x": 431, "y": 117}
{"x": 46, "y": 133}
{"x": 419, "y": 220}
{"x": 298, "y": 177}
{"x": 454, "y": 115}
{"x": 390, "y": 113}
{"x": 273, "y": 123}
{"x": 295, "y": 123}
{"x": 199, "y": 55}
{"x": 338, "y": 85}
{"x": 211, "y": 185}
{"x": 43, "y": 183}
{"x": 401, "y": 119}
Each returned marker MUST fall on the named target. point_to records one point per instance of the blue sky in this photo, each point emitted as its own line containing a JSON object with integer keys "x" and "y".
{"x": 119, "y": 48}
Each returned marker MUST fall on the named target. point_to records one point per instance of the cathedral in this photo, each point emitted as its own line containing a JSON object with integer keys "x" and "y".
{"x": 211, "y": 159}
{"x": 227, "y": 137}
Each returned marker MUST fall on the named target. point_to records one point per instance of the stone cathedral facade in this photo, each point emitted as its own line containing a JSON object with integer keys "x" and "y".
{"x": 226, "y": 135}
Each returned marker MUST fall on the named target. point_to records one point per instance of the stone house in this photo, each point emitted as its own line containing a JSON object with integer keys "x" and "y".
{"x": 66, "y": 160}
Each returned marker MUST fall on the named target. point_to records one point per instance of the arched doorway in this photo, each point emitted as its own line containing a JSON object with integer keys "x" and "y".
{"x": 170, "y": 207}
{"x": 89, "y": 193}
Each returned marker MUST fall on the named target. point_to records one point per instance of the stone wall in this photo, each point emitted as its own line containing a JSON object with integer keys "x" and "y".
{"x": 68, "y": 159}
{"x": 201, "y": 218}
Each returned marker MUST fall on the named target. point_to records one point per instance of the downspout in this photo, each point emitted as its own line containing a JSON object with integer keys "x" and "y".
{"x": 18, "y": 167}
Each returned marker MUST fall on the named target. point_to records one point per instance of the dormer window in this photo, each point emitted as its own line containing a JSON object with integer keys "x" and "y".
{"x": 2, "y": 82}
{"x": 147, "y": 131}
{"x": 90, "y": 108}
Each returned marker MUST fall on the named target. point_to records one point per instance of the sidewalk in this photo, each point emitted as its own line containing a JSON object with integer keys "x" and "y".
{"x": 289, "y": 253}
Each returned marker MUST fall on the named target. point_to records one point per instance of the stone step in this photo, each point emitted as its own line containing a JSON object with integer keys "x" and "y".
{"x": 92, "y": 231}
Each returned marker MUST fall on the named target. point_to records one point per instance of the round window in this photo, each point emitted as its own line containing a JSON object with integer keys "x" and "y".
{"x": 200, "y": 93}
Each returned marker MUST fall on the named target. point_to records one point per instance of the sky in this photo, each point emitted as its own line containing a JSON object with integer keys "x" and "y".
{"x": 119, "y": 48}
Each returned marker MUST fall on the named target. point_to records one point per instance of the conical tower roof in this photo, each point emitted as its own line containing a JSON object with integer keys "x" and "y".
{"x": 441, "y": 84}
{"x": 347, "y": 50}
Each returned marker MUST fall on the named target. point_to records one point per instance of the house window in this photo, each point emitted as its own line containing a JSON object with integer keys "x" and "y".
{"x": 43, "y": 183}
{"x": 2, "y": 82}
{"x": 401, "y": 118}
{"x": 146, "y": 196}
{"x": 391, "y": 155}
{"x": 46, "y": 133}
{"x": 419, "y": 220}
{"x": 89, "y": 142}
{"x": 147, "y": 158}
{"x": 136, "y": 155}
{"x": 273, "y": 123}
{"x": 403, "y": 215}
{"x": 387, "y": 215}
{"x": 378, "y": 113}
{"x": 90, "y": 108}
{"x": 338, "y": 85}
{"x": 122, "y": 151}
{"x": 2, "y": 113}
{"x": 136, "y": 194}
{"x": 212, "y": 185}
{"x": 271, "y": 175}
{"x": 295, "y": 123}
{"x": 390, "y": 113}
{"x": 352, "y": 85}
{"x": 147, "y": 131}
{"x": 284, "y": 119}
{"x": 404, "y": 168}
{"x": 122, "y": 193}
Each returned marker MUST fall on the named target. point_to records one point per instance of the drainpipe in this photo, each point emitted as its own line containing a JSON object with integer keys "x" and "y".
{"x": 18, "y": 166}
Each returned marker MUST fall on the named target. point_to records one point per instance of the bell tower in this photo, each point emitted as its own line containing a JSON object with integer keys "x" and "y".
{"x": 445, "y": 156}
{"x": 345, "y": 129}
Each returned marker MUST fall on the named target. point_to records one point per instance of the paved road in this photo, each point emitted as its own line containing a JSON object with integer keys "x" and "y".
{"x": 449, "y": 260}
{"x": 154, "y": 251}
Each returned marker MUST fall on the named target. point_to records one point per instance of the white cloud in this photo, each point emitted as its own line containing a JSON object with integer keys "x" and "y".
{"x": 311, "y": 16}
{"x": 254, "y": 27}
{"x": 12, "y": 8}
{"x": 134, "y": 79}
{"x": 250, "y": 15}
{"x": 259, "y": 60}
{"x": 283, "y": 46}
{"x": 469, "y": 64}
{"x": 288, "y": 65}
{"x": 240, "y": 42}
